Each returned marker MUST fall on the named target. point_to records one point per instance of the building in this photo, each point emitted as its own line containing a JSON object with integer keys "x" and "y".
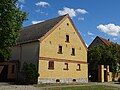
{"x": 100, "y": 40}
{"x": 56, "y": 48}
{"x": 102, "y": 73}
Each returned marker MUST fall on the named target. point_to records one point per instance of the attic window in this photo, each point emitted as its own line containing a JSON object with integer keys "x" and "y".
{"x": 67, "y": 24}
{"x": 73, "y": 52}
{"x": 60, "y": 50}
{"x": 67, "y": 38}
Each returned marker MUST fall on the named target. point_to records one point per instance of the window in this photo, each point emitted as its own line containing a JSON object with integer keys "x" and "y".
{"x": 51, "y": 65}
{"x": 79, "y": 68}
{"x": 66, "y": 66}
{"x": 67, "y": 38}
{"x": 73, "y": 52}
{"x": 60, "y": 50}
{"x": 13, "y": 69}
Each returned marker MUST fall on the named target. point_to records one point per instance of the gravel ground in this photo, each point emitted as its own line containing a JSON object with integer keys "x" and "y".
{"x": 7, "y": 86}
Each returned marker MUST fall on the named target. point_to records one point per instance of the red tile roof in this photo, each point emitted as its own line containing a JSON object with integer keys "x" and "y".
{"x": 106, "y": 42}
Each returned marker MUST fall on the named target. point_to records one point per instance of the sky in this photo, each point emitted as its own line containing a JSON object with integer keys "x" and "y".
{"x": 91, "y": 17}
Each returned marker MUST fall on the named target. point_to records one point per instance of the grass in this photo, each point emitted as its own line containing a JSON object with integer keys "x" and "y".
{"x": 70, "y": 86}
{"x": 99, "y": 87}
{"x": 57, "y": 84}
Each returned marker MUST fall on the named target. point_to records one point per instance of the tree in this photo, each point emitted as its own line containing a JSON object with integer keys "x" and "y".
{"x": 11, "y": 19}
{"x": 30, "y": 73}
{"x": 104, "y": 55}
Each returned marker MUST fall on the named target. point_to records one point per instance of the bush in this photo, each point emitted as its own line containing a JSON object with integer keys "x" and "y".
{"x": 30, "y": 73}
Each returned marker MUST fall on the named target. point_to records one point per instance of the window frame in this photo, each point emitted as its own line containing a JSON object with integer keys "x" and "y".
{"x": 79, "y": 67}
{"x": 67, "y": 39}
{"x": 51, "y": 65}
{"x": 60, "y": 50}
{"x": 66, "y": 67}
{"x": 73, "y": 52}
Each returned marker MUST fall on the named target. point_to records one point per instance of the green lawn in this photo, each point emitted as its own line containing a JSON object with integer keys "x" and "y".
{"x": 84, "y": 88}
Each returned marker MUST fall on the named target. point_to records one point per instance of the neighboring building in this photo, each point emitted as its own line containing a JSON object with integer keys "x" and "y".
{"x": 101, "y": 73}
{"x": 99, "y": 40}
{"x": 56, "y": 48}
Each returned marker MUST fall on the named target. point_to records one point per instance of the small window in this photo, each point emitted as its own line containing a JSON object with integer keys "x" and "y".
{"x": 67, "y": 24}
{"x": 51, "y": 65}
{"x": 66, "y": 66}
{"x": 67, "y": 38}
{"x": 74, "y": 80}
{"x": 13, "y": 68}
{"x": 57, "y": 80}
{"x": 79, "y": 68}
{"x": 73, "y": 52}
{"x": 60, "y": 50}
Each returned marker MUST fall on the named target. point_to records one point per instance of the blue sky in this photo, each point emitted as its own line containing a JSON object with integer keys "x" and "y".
{"x": 91, "y": 17}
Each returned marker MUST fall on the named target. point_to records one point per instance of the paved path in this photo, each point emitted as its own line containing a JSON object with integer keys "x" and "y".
{"x": 7, "y": 86}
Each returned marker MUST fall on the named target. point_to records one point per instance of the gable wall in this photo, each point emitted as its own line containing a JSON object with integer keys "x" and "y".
{"x": 58, "y": 37}
{"x": 49, "y": 51}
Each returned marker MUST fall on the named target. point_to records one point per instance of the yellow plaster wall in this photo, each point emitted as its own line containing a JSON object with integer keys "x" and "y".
{"x": 59, "y": 72}
{"x": 49, "y": 48}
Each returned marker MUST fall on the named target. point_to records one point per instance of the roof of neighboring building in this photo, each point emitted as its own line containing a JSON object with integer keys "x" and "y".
{"x": 36, "y": 31}
{"x": 107, "y": 42}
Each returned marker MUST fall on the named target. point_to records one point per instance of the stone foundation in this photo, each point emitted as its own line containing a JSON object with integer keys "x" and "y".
{"x": 63, "y": 80}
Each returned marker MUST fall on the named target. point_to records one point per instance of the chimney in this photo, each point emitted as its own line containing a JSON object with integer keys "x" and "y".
{"x": 108, "y": 39}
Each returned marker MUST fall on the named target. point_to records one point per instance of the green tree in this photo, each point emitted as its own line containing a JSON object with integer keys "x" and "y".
{"x": 11, "y": 19}
{"x": 104, "y": 55}
{"x": 30, "y": 73}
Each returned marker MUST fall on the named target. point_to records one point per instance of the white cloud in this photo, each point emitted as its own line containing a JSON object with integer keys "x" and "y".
{"x": 90, "y": 34}
{"x": 81, "y": 19}
{"x": 72, "y": 12}
{"x": 114, "y": 38}
{"x": 69, "y": 11}
{"x": 81, "y": 11}
{"x": 21, "y": 6}
{"x": 43, "y": 4}
{"x": 110, "y": 29}
{"x": 21, "y": 1}
{"x": 39, "y": 11}
{"x": 92, "y": 38}
{"x": 35, "y": 22}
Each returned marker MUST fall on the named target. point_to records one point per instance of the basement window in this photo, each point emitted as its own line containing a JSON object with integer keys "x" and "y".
{"x": 51, "y": 65}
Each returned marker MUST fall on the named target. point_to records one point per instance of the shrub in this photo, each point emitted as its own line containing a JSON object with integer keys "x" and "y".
{"x": 30, "y": 73}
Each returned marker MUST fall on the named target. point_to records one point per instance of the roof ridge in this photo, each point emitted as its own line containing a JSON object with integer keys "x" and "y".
{"x": 107, "y": 42}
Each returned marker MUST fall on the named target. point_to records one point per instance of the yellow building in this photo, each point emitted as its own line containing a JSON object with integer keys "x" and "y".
{"x": 56, "y": 48}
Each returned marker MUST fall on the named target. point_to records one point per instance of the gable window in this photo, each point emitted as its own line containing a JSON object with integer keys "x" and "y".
{"x": 66, "y": 66}
{"x": 73, "y": 52}
{"x": 13, "y": 68}
{"x": 79, "y": 67}
{"x": 51, "y": 65}
{"x": 67, "y": 38}
{"x": 60, "y": 50}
